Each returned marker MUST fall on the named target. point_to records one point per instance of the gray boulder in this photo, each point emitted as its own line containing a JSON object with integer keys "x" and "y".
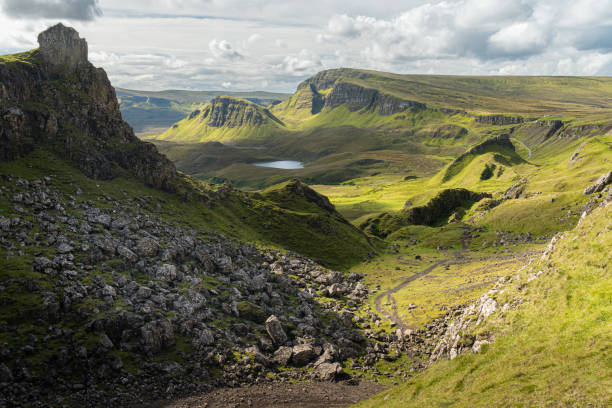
{"x": 328, "y": 371}
{"x": 275, "y": 330}
{"x": 302, "y": 354}
{"x": 282, "y": 356}
{"x": 166, "y": 272}
{"x": 147, "y": 247}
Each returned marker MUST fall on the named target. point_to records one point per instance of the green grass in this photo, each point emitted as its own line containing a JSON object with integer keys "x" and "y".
{"x": 554, "y": 350}
{"x": 240, "y": 216}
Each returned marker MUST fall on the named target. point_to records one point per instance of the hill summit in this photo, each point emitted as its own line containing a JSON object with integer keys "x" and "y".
{"x": 58, "y": 99}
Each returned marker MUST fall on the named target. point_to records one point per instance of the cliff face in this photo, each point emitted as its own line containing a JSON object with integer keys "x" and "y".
{"x": 356, "y": 97}
{"x": 232, "y": 112}
{"x": 54, "y": 97}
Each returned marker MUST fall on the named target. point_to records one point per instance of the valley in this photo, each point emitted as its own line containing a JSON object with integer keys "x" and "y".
{"x": 373, "y": 239}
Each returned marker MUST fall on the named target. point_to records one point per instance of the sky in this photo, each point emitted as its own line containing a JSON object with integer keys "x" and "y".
{"x": 273, "y": 45}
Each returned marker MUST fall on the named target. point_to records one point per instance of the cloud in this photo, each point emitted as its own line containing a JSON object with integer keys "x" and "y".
{"x": 490, "y": 14}
{"x": 224, "y": 50}
{"x": 226, "y": 84}
{"x": 303, "y": 63}
{"x": 518, "y": 39}
{"x": 254, "y": 38}
{"x": 80, "y": 10}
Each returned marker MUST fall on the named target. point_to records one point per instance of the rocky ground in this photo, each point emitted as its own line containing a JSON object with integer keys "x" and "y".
{"x": 301, "y": 395}
{"x": 125, "y": 307}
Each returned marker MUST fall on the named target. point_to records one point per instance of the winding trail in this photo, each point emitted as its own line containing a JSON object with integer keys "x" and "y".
{"x": 389, "y": 295}
{"x": 525, "y": 146}
{"x": 393, "y": 316}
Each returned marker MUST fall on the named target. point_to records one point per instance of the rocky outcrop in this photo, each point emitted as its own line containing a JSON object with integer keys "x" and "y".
{"x": 54, "y": 98}
{"x": 61, "y": 46}
{"x": 499, "y": 120}
{"x": 232, "y": 112}
{"x": 600, "y": 184}
{"x": 552, "y": 126}
{"x": 443, "y": 205}
{"x": 357, "y": 97}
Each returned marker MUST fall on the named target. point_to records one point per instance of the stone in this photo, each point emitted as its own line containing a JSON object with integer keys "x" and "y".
{"x": 64, "y": 248}
{"x": 206, "y": 338}
{"x": 143, "y": 292}
{"x": 105, "y": 342}
{"x": 302, "y": 354}
{"x": 108, "y": 290}
{"x": 275, "y": 330}
{"x": 166, "y": 272}
{"x": 147, "y": 247}
{"x": 115, "y": 362}
{"x": 328, "y": 371}
{"x": 258, "y": 356}
{"x": 157, "y": 335}
{"x": 282, "y": 356}
{"x": 6, "y": 375}
{"x": 127, "y": 253}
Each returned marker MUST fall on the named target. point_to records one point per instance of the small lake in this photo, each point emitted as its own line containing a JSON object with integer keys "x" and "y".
{"x": 282, "y": 164}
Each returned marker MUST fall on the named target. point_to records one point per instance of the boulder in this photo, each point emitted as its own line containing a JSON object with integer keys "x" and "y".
{"x": 157, "y": 335}
{"x": 282, "y": 356}
{"x": 302, "y": 354}
{"x": 328, "y": 371}
{"x": 275, "y": 330}
{"x": 147, "y": 247}
{"x": 127, "y": 253}
{"x": 166, "y": 272}
{"x": 6, "y": 375}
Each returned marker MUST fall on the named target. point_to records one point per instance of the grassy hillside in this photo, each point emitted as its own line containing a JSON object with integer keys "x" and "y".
{"x": 334, "y": 139}
{"x": 529, "y": 96}
{"x": 246, "y": 217}
{"x": 554, "y": 349}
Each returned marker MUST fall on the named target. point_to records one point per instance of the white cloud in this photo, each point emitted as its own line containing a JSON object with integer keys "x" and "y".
{"x": 303, "y": 63}
{"x": 274, "y": 44}
{"x": 223, "y": 49}
{"x": 226, "y": 84}
{"x": 254, "y": 38}
{"x": 519, "y": 38}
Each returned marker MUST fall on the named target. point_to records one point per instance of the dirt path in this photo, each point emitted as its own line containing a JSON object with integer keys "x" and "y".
{"x": 390, "y": 299}
{"x": 525, "y": 146}
{"x": 393, "y": 315}
{"x": 301, "y": 395}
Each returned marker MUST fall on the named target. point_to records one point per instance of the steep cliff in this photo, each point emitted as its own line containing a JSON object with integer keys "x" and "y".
{"x": 54, "y": 97}
{"x": 331, "y": 89}
{"x": 226, "y": 118}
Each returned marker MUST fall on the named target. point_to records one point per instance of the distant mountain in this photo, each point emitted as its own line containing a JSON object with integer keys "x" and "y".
{"x": 150, "y": 112}
{"x": 225, "y": 118}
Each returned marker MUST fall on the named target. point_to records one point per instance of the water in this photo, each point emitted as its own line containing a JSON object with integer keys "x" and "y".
{"x": 282, "y": 164}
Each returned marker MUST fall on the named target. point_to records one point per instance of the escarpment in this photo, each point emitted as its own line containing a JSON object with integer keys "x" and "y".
{"x": 328, "y": 89}
{"x": 232, "y": 112}
{"x": 54, "y": 96}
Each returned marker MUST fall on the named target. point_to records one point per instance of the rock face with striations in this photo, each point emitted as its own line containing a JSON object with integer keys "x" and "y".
{"x": 62, "y": 46}
{"x": 56, "y": 99}
{"x": 355, "y": 97}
